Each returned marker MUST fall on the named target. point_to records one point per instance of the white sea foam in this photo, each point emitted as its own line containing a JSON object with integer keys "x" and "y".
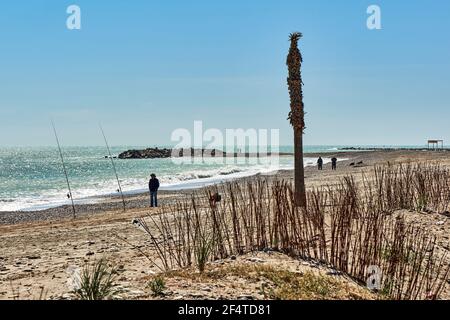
{"x": 177, "y": 181}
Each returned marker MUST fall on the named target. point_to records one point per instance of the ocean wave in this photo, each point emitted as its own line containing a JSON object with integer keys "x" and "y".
{"x": 176, "y": 181}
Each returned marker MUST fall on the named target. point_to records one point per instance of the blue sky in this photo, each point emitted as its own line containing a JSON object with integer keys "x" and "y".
{"x": 144, "y": 68}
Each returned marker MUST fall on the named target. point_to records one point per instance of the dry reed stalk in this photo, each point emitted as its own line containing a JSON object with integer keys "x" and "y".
{"x": 349, "y": 227}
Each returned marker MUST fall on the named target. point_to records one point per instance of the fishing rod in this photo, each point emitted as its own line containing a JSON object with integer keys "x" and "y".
{"x": 114, "y": 167}
{"x": 65, "y": 171}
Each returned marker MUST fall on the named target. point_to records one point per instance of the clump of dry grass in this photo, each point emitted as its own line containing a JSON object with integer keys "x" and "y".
{"x": 413, "y": 186}
{"x": 280, "y": 284}
{"x": 97, "y": 282}
{"x": 309, "y": 286}
{"x": 157, "y": 286}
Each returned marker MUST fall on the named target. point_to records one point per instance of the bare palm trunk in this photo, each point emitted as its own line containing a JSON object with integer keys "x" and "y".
{"x": 297, "y": 115}
{"x": 299, "y": 193}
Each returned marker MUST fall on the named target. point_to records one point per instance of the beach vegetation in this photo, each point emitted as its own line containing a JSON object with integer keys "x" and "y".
{"x": 203, "y": 251}
{"x": 277, "y": 283}
{"x": 98, "y": 282}
{"x": 157, "y": 286}
{"x": 421, "y": 203}
{"x": 348, "y": 226}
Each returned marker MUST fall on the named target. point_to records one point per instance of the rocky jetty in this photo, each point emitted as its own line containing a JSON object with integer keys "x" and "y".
{"x": 149, "y": 153}
{"x": 156, "y": 153}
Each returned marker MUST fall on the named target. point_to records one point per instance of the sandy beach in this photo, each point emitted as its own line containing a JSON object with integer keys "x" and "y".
{"x": 37, "y": 248}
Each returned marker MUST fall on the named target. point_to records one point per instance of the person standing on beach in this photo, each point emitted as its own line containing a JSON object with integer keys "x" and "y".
{"x": 319, "y": 163}
{"x": 153, "y": 186}
{"x": 333, "y": 163}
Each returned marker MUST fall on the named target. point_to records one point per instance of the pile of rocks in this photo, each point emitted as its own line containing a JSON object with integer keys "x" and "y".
{"x": 149, "y": 153}
{"x": 156, "y": 153}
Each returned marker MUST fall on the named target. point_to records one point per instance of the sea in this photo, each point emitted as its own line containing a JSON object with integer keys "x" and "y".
{"x": 32, "y": 178}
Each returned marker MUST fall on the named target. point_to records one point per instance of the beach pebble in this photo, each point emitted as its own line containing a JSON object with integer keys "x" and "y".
{"x": 66, "y": 296}
{"x": 33, "y": 257}
{"x": 257, "y": 260}
{"x": 334, "y": 273}
{"x": 246, "y": 297}
{"x": 136, "y": 292}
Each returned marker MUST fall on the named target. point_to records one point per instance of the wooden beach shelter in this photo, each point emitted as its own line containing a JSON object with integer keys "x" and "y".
{"x": 436, "y": 144}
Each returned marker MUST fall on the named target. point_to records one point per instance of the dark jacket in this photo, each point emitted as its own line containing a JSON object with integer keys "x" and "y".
{"x": 153, "y": 184}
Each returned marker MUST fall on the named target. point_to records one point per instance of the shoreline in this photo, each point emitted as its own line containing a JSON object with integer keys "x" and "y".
{"x": 178, "y": 186}
{"x": 137, "y": 199}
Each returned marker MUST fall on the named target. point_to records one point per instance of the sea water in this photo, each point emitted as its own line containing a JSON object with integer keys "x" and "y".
{"x": 33, "y": 178}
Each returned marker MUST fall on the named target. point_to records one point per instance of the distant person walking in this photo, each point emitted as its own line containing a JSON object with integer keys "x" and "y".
{"x": 319, "y": 163}
{"x": 333, "y": 163}
{"x": 153, "y": 186}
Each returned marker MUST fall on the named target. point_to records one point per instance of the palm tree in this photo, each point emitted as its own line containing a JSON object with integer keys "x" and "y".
{"x": 297, "y": 115}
